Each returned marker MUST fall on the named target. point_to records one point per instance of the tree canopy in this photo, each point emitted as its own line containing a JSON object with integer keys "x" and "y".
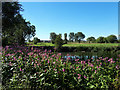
{"x": 15, "y": 28}
{"x": 111, "y": 38}
{"x": 53, "y": 37}
{"x": 91, "y": 39}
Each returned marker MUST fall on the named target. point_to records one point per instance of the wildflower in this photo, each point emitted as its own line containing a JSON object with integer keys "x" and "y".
{"x": 48, "y": 61}
{"x": 53, "y": 62}
{"x": 19, "y": 57}
{"x": 85, "y": 77}
{"x": 76, "y": 60}
{"x": 78, "y": 77}
{"x": 59, "y": 54}
{"x": 14, "y": 58}
{"x": 63, "y": 70}
{"x": 117, "y": 67}
{"x": 97, "y": 67}
{"x": 20, "y": 69}
{"x": 45, "y": 50}
{"x": 95, "y": 71}
{"x": 91, "y": 65}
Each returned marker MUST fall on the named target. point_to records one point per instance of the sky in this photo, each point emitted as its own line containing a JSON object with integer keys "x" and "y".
{"x": 91, "y": 18}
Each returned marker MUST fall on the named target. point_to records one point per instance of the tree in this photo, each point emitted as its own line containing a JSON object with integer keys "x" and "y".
{"x": 91, "y": 39}
{"x": 9, "y": 12}
{"x": 111, "y": 39}
{"x": 65, "y": 38}
{"x": 58, "y": 42}
{"x": 23, "y": 31}
{"x": 71, "y": 36}
{"x": 80, "y": 36}
{"x": 60, "y": 35}
{"x": 53, "y": 37}
{"x": 76, "y": 37}
{"x": 35, "y": 40}
{"x": 15, "y": 28}
{"x": 100, "y": 40}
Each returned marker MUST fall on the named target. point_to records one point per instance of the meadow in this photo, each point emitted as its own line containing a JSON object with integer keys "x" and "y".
{"x": 70, "y": 44}
{"x": 29, "y": 67}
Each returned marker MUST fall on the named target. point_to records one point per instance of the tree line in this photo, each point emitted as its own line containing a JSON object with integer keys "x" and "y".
{"x": 15, "y": 29}
{"x": 79, "y": 36}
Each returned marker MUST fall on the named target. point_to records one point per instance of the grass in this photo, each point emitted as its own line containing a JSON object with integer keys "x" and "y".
{"x": 91, "y": 44}
{"x": 78, "y": 44}
{"x": 42, "y": 44}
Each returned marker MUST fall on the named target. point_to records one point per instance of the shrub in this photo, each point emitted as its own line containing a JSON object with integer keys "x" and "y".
{"x": 58, "y": 42}
{"x": 35, "y": 40}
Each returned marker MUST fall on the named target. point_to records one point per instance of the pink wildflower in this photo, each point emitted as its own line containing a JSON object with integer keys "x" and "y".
{"x": 20, "y": 69}
{"x": 59, "y": 54}
{"x": 95, "y": 71}
{"x": 117, "y": 67}
{"x": 63, "y": 70}
{"x": 48, "y": 61}
{"x": 85, "y": 77}
{"x": 78, "y": 77}
{"x": 53, "y": 62}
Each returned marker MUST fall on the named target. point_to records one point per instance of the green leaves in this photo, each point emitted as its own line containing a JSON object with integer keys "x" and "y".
{"x": 38, "y": 70}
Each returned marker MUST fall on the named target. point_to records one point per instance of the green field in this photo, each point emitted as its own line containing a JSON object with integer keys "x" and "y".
{"x": 78, "y": 44}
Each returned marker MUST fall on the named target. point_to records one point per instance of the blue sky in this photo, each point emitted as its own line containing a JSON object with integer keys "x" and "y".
{"x": 92, "y": 18}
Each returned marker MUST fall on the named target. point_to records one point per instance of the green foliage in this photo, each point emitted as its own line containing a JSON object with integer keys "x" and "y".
{"x": 58, "y": 42}
{"x": 36, "y": 40}
{"x": 80, "y": 36}
{"x": 47, "y": 70}
{"x": 91, "y": 39}
{"x": 112, "y": 39}
{"x": 65, "y": 38}
{"x": 15, "y": 28}
{"x": 100, "y": 40}
{"x": 53, "y": 37}
{"x": 71, "y": 36}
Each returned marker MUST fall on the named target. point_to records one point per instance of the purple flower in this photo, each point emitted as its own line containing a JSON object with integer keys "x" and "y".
{"x": 59, "y": 54}
{"x": 78, "y": 77}
{"x": 97, "y": 67}
{"x": 91, "y": 65}
{"x": 48, "y": 61}
{"x": 117, "y": 67}
{"x": 63, "y": 70}
{"x": 20, "y": 69}
{"x": 53, "y": 62}
{"x": 14, "y": 58}
{"x": 85, "y": 77}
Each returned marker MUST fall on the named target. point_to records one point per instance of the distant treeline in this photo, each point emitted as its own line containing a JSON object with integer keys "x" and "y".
{"x": 79, "y": 36}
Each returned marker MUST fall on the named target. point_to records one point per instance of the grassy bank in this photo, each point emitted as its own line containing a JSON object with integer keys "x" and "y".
{"x": 78, "y": 44}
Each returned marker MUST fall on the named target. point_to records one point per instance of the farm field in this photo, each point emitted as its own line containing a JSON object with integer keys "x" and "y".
{"x": 79, "y": 44}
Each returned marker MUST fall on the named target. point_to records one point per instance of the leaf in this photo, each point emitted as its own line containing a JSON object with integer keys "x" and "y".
{"x": 92, "y": 86}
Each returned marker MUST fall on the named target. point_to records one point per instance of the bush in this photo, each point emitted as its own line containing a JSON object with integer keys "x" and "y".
{"x": 35, "y": 40}
{"x": 58, "y": 43}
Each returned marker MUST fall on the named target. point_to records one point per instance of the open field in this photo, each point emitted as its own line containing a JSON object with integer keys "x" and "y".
{"x": 79, "y": 44}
